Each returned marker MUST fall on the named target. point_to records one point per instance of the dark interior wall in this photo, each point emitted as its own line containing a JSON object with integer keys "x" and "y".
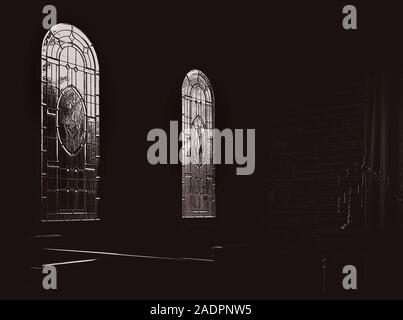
{"x": 316, "y": 137}
{"x": 399, "y": 142}
{"x": 144, "y": 55}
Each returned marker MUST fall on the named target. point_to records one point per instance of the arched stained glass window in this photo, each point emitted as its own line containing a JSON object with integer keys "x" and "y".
{"x": 69, "y": 126}
{"x": 198, "y": 175}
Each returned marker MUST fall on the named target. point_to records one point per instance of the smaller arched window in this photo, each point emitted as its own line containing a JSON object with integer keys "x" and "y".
{"x": 198, "y": 172}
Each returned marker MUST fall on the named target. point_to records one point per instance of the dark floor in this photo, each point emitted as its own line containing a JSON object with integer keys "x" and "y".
{"x": 288, "y": 268}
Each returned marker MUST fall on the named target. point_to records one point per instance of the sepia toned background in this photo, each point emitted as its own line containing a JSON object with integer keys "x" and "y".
{"x": 320, "y": 99}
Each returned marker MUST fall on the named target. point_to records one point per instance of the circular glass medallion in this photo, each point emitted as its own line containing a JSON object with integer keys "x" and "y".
{"x": 71, "y": 120}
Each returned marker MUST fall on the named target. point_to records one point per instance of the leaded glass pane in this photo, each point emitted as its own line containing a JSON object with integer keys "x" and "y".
{"x": 198, "y": 178}
{"x": 70, "y": 134}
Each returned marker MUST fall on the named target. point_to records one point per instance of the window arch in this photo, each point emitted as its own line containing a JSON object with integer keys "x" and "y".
{"x": 70, "y": 126}
{"x": 198, "y": 171}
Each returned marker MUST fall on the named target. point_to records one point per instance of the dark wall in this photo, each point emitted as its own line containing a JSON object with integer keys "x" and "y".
{"x": 316, "y": 137}
{"x": 399, "y": 143}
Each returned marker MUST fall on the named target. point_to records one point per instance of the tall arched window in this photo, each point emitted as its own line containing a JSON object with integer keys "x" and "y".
{"x": 198, "y": 175}
{"x": 69, "y": 126}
